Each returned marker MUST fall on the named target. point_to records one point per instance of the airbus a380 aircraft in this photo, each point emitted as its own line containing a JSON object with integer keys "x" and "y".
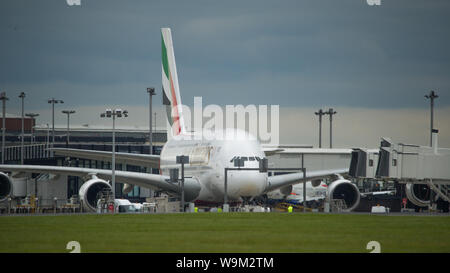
{"x": 204, "y": 174}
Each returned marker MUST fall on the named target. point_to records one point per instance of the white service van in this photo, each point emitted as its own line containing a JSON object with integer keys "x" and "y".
{"x": 120, "y": 206}
{"x": 124, "y": 206}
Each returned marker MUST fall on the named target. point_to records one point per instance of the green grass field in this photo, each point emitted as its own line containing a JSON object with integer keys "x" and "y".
{"x": 219, "y": 232}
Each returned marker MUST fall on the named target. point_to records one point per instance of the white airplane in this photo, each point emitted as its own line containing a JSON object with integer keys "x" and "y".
{"x": 204, "y": 182}
{"x": 314, "y": 193}
{"x": 317, "y": 193}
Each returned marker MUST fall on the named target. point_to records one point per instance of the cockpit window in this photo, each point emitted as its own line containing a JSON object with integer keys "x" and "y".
{"x": 246, "y": 158}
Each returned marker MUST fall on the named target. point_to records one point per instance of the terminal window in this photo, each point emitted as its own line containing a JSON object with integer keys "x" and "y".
{"x": 394, "y": 162}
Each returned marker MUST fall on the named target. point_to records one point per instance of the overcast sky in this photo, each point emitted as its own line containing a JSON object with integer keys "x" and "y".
{"x": 372, "y": 64}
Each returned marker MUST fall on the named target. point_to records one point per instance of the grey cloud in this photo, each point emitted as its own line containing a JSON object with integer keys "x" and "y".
{"x": 361, "y": 127}
{"x": 291, "y": 53}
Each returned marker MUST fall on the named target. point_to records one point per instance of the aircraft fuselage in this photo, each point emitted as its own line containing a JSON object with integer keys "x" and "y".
{"x": 208, "y": 160}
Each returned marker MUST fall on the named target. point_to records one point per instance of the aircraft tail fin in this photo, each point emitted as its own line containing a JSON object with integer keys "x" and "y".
{"x": 171, "y": 90}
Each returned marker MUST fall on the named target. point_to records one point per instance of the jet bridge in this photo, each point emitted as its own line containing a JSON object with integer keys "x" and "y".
{"x": 413, "y": 163}
{"x": 363, "y": 163}
{"x": 406, "y": 163}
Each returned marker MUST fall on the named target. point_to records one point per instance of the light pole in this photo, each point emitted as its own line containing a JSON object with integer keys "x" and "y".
{"x": 68, "y": 113}
{"x": 151, "y": 92}
{"x": 331, "y": 112}
{"x": 32, "y": 116}
{"x": 22, "y": 96}
{"x": 182, "y": 159}
{"x": 431, "y": 96}
{"x": 320, "y": 113}
{"x": 112, "y": 114}
{"x": 304, "y": 182}
{"x": 53, "y": 101}
{"x": 238, "y": 163}
{"x": 263, "y": 168}
{"x": 3, "y": 98}
{"x": 48, "y": 140}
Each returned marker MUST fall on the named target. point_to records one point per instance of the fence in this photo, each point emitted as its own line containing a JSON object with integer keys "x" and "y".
{"x": 34, "y": 151}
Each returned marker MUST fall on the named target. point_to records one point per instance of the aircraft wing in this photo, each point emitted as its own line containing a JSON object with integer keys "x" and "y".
{"x": 306, "y": 151}
{"x": 153, "y": 181}
{"x": 142, "y": 160}
{"x": 279, "y": 181}
{"x": 272, "y": 151}
{"x": 377, "y": 193}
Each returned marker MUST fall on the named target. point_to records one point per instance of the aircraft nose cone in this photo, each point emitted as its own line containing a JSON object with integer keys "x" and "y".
{"x": 247, "y": 183}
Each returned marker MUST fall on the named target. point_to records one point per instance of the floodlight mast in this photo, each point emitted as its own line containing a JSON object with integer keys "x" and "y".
{"x": 53, "y": 101}
{"x": 3, "y": 98}
{"x": 22, "y": 96}
{"x": 182, "y": 159}
{"x": 68, "y": 113}
{"x": 32, "y": 116}
{"x": 431, "y": 96}
{"x": 331, "y": 112}
{"x": 112, "y": 114}
{"x": 320, "y": 113}
{"x": 151, "y": 92}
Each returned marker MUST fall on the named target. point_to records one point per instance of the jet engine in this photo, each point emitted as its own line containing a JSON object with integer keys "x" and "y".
{"x": 316, "y": 182}
{"x": 287, "y": 190}
{"x": 5, "y": 186}
{"x": 127, "y": 188}
{"x": 344, "y": 189}
{"x": 418, "y": 194}
{"x": 191, "y": 189}
{"x": 89, "y": 192}
{"x": 280, "y": 193}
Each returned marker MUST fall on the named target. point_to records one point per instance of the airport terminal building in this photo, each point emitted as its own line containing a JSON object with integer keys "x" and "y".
{"x": 65, "y": 188}
{"x": 62, "y": 188}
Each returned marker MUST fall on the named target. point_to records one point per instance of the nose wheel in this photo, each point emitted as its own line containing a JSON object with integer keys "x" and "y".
{"x": 261, "y": 200}
{"x": 253, "y": 204}
{"x": 246, "y": 200}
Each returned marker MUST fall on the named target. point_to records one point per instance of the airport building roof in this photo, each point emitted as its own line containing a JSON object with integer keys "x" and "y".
{"x": 100, "y": 128}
